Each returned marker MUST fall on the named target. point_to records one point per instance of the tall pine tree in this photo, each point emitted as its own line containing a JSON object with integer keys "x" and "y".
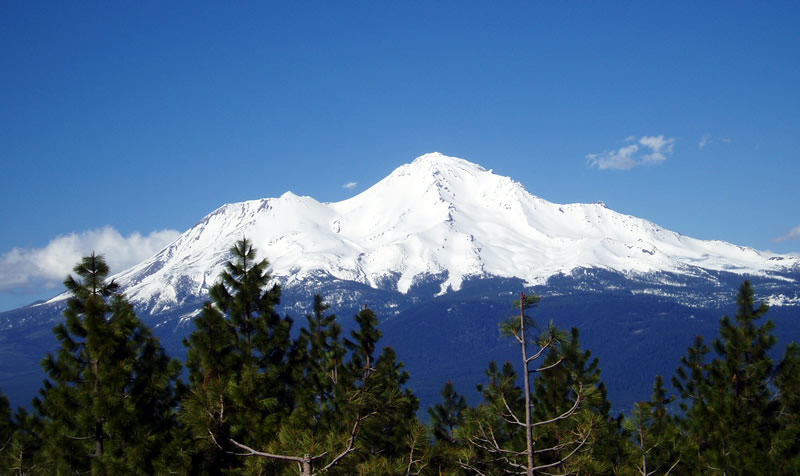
{"x": 239, "y": 380}
{"x": 735, "y": 414}
{"x": 505, "y": 434}
{"x": 108, "y": 405}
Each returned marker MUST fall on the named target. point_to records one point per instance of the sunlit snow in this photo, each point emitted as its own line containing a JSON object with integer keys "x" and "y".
{"x": 438, "y": 215}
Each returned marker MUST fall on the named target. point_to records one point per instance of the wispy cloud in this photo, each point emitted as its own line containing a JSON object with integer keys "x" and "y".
{"x": 703, "y": 141}
{"x": 707, "y": 139}
{"x": 648, "y": 150}
{"x": 794, "y": 234}
{"x": 47, "y": 267}
{"x": 350, "y": 185}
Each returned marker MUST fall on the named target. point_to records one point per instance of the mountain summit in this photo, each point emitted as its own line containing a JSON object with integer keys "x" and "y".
{"x": 440, "y": 218}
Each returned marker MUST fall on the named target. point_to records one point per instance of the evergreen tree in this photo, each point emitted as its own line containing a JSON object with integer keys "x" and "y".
{"x": 573, "y": 374}
{"x": 237, "y": 363}
{"x": 108, "y": 406}
{"x": 6, "y": 431}
{"x": 786, "y": 443}
{"x": 384, "y": 380}
{"x": 655, "y": 435}
{"x": 352, "y": 417}
{"x": 490, "y": 437}
{"x": 316, "y": 363}
{"x": 735, "y": 415}
{"x": 446, "y": 416}
{"x": 21, "y": 452}
{"x": 504, "y": 434}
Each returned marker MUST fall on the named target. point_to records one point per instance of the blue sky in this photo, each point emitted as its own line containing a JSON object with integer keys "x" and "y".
{"x": 124, "y": 123}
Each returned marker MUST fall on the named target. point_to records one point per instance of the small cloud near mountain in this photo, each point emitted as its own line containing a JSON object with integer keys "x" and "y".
{"x": 350, "y": 185}
{"x": 48, "y": 266}
{"x": 794, "y": 234}
{"x": 647, "y": 150}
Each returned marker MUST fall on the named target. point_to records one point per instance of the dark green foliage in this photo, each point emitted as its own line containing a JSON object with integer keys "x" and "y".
{"x": 19, "y": 441}
{"x": 554, "y": 427}
{"x": 236, "y": 358}
{"x": 736, "y": 418}
{"x": 488, "y": 430}
{"x": 317, "y": 362}
{"x": 571, "y": 376}
{"x": 384, "y": 380}
{"x": 446, "y": 416}
{"x": 108, "y": 406}
{"x": 6, "y": 426}
{"x": 654, "y": 434}
{"x": 786, "y": 443}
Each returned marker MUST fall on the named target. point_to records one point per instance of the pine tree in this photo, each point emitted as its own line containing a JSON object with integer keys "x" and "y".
{"x": 343, "y": 409}
{"x": 786, "y": 442}
{"x": 237, "y": 363}
{"x": 21, "y": 453}
{"x": 446, "y": 416}
{"x": 316, "y": 363}
{"x": 504, "y": 435}
{"x": 571, "y": 374}
{"x": 108, "y": 406}
{"x": 6, "y": 431}
{"x": 655, "y": 436}
{"x": 734, "y": 413}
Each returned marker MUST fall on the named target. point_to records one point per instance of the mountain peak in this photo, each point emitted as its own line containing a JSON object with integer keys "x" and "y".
{"x": 437, "y": 160}
{"x": 437, "y": 216}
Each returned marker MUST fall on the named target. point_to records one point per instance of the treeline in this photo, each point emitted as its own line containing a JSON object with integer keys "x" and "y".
{"x": 262, "y": 400}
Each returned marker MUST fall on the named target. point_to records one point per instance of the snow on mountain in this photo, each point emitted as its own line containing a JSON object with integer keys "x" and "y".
{"x": 440, "y": 216}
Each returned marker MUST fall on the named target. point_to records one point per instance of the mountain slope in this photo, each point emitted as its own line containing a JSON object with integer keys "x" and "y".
{"x": 440, "y": 217}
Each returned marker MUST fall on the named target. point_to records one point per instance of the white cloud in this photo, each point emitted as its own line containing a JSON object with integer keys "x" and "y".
{"x": 794, "y": 234}
{"x": 630, "y": 156}
{"x": 659, "y": 147}
{"x": 47, "y": 267}
{"x": 616, "y": 159}
{"x": 703, "y": 141}
{"x": 350, "y": 185}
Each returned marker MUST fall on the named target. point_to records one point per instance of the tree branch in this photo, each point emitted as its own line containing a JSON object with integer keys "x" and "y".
{"x": 565, "y": 458}
{"x": 252, "y": 452}
{"x": 541, "y": 351}
{"x": 564, "y": 415}
{"x": 547, "y": 367}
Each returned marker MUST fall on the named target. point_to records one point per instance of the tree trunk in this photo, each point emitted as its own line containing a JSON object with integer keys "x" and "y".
{"x": 527, "y": 380}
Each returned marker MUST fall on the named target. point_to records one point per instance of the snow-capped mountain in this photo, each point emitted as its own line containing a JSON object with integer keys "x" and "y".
{"x": 438, "y": 249}
{"x": 440, "y": 217}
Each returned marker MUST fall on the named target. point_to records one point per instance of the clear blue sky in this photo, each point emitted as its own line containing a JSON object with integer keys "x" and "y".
{"x": 119, "y": 119}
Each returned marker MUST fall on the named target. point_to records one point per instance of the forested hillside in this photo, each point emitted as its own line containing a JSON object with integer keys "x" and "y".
{"x": 262, "y": 397}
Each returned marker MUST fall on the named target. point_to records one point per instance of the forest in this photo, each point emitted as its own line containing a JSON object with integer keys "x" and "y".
{"x": 258, "y": 396}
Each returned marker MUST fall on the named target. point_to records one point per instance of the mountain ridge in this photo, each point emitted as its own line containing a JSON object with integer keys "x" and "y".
{"x": 439, "y": 248}
{"x": 436, "y": 216}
